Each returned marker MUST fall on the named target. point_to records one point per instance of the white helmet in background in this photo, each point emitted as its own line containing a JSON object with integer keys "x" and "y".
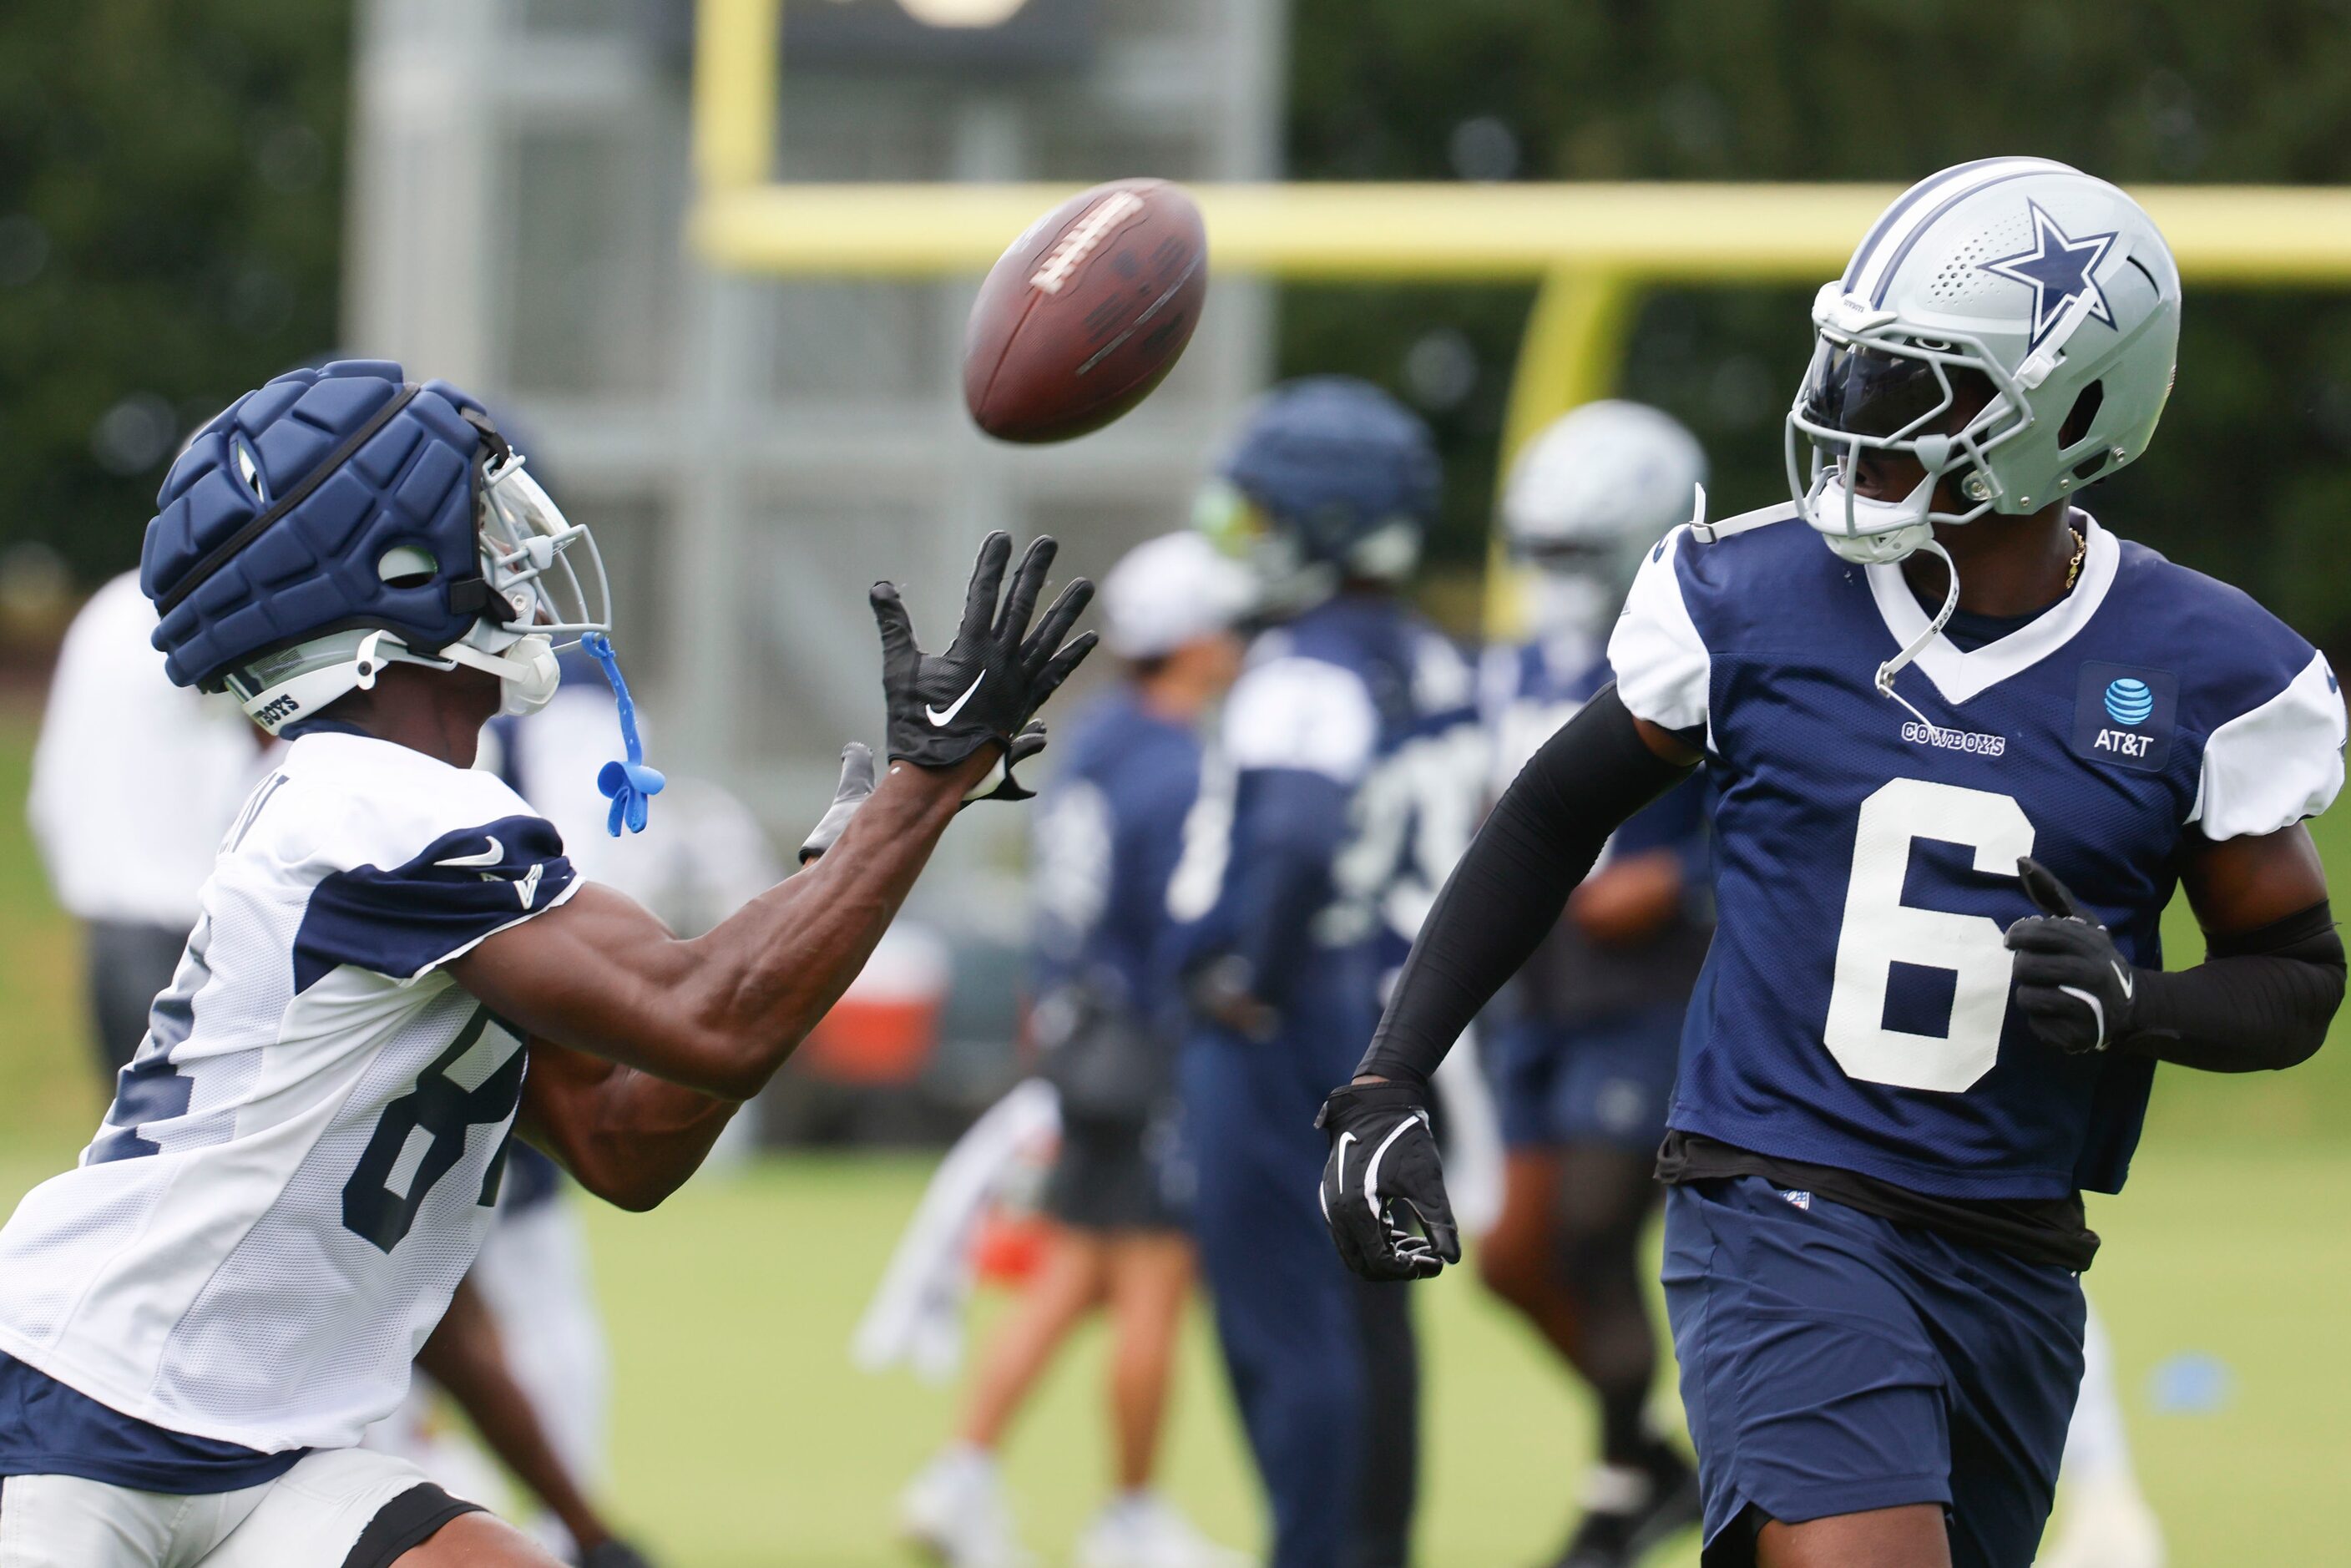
{"x": 2044, "y": 292}
{"x": 1592, "y": 492}
{"x": 1171, "y": 590}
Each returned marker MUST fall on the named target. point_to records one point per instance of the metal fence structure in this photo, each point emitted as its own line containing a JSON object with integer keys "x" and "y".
{"x": 756, "y": 446}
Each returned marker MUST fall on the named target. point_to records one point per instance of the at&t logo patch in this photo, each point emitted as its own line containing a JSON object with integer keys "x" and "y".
{"x": 2129, "y": 701}
{"x": 2124, "y": 715}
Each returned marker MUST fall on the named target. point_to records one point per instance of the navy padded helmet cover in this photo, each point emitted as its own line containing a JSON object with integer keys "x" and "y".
{"x": 1335, "y": 457}
{"x": 314, "y": 569}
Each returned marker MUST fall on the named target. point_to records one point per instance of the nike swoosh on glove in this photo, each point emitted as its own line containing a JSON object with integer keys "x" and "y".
{"x": 2072, "y": 983}
{"x": 1383, "y": 1168}
{"x": 986, "y": 688}
{"x": 856, "y": 783}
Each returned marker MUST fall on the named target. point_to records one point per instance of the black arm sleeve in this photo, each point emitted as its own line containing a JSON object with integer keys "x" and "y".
{"x": 1542, "y": 837}
{"x": 2259, "y": 1001}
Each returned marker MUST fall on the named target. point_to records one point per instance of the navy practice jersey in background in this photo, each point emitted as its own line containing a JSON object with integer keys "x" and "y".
{"x": 1855, "y": 1011}
{"x": 1343, "y": 788}
{"x": 1107, "y": 835}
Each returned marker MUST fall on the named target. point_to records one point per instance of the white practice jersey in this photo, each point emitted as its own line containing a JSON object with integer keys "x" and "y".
{"x": 301, "y": 1163}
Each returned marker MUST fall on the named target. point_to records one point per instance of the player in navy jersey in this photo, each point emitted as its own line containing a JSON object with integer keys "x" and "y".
{"x": 395, "y": 968}
{"x": 1302, "y": 842}
{"x": 1582, "y": 1042}
{"x": 1108, "y": 830}
{"x": 1963, "y": 756}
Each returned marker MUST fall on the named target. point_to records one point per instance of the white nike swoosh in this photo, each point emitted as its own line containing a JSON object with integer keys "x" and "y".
{"x": 1372, "y": 1170}
{"x": 491, "y": 856}
{"x": 2097, "y": 1010}
{"x": 2124, "y": 976}
{"x": 947, "y": 716}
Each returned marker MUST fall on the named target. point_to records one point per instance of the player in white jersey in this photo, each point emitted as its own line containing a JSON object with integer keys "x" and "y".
{"x": 396, "y": 969}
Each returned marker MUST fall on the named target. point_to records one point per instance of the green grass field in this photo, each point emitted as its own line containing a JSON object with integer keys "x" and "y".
{"x": 743, "y": 1437}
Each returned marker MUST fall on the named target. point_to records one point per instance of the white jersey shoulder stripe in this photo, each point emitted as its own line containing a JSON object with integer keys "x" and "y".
{"x": 2276, "y": 765}
{"x": 1663, "y": 669}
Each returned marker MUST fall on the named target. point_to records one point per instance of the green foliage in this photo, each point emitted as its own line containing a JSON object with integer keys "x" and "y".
{"x": 2249, "y": 476}
{"x": 170, "y": 215}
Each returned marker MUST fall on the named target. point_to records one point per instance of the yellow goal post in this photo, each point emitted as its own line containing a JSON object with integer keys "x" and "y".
{"x": 1589, "y": 247}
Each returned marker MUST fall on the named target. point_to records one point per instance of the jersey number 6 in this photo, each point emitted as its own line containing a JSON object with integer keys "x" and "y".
{"x": 1881, "y": 931}
{"x": 421, "y": 1136}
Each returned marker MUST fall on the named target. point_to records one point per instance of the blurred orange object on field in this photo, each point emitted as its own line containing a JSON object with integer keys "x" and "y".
{"x": 885, "y": 1026}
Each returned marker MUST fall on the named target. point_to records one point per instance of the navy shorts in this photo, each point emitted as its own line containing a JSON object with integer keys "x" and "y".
{"x": 1605, "y": 1081}
{"x": 1832, "y": 1362}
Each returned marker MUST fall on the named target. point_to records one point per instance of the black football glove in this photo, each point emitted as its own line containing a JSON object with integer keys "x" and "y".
{"x": 613, "y": 1554}
{"x": 986, "y": 688}
{"x": 1384, "y": 1166}
{"x": 856, "y": 783}
{"x": 2072, "y": 982}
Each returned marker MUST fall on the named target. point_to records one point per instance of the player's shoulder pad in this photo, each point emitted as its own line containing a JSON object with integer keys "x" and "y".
{"x": 2266, "y": 703}
{"x": 350, "y": 800}
{"x": 1705, "y": 592}
{"x": 410, "y": 862}
{"x": 1292, "y": 711}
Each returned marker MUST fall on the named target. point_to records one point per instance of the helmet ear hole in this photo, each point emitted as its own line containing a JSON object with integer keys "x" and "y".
{"x": 406, "y": 566}
{"x": 2085, "y": 410}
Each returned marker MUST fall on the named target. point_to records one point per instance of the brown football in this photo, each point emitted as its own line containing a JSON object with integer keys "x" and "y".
{"x": 1086, "y": 312}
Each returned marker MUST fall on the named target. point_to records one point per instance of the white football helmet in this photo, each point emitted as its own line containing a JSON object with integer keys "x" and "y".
{"x": 1594, "y": 489}
{"x": 1604, "y": 481}
{"x": 2051, "y": 291}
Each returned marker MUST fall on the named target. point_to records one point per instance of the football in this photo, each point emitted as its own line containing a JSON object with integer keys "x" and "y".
{"x": 1086, "y": 312}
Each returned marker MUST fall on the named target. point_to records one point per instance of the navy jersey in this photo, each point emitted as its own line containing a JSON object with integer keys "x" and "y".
{"x": 1342, "y": 787}
{"x": 1855, "y": 1011}
{"x": 1108, "y": 832}
{"x": 1526, "y": 692}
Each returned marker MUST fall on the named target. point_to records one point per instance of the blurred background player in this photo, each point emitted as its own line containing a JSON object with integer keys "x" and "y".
{"x": 1108, "y": 831}
{"x": 134, "y": 781}
{"x": 1303, "y": 827}
{"x": 2103, "y": 1517}
{"x": 1582, "y": 1044}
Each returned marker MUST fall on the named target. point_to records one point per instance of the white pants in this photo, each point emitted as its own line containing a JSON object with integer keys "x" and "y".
{"x": 310, "y": 1517}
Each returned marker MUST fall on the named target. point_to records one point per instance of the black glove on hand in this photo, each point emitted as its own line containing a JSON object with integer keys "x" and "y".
{"x": 2072, "y": 981}
{"x": 856, "y": 783}
{"x": 613, "y": 1554}
{"x": 1384, "y": 1166}
{"x": 986, "y": 688}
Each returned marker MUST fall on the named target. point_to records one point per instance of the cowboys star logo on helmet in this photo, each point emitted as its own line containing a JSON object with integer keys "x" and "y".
{"x": 2059, "y": 270}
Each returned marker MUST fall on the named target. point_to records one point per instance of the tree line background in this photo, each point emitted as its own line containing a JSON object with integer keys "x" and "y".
{"x": 170, "y": 223}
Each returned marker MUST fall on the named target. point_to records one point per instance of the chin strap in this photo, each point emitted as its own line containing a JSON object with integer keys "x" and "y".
{"x": 1901, "y": 661}
{"x": 630, "y": 785}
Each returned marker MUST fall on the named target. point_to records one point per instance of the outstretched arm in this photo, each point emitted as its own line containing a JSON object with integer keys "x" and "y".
{"x": 720, "y": 1013}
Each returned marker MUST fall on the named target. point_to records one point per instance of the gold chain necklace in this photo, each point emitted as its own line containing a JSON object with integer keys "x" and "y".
{"x": 2074, "y": 567}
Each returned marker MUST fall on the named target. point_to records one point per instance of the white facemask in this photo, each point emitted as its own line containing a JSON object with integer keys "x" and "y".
{"x": 1571, "y": 606}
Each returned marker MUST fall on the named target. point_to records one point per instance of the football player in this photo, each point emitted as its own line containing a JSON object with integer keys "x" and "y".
{"x": 395, "y": 968}
{"x": 1583, "y": 1043}
{"x": 1304, "y": 833}
{"x": 1108, "y": 830}
{"x": 1965, "y": 744}
{"x": 133, "y": 781}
